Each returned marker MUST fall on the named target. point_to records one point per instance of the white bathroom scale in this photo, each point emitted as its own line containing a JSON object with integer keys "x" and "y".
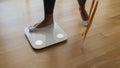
{"x": 45, "y": 36}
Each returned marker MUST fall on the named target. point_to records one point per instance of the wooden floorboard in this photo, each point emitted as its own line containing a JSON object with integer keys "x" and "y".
{"x": 101, "y": 48}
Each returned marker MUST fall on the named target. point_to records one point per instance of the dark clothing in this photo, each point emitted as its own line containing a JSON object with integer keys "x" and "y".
{"x": 49, "y": 5}
{"x": 82, "y": 2}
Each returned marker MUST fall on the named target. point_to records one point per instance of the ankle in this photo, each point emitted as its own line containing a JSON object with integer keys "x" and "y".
{"x": 82, "y": 8}
{"x": 49, "y": 17}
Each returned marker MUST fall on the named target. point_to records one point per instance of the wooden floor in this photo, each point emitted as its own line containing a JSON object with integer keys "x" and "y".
{"x": 100, "y": 50}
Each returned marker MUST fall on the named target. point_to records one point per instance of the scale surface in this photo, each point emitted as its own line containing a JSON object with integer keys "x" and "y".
{"x": 46, "y": 36}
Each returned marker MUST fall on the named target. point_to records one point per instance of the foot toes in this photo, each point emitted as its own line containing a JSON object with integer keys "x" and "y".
{"x": 85, "y": 23}
{"x": 31, "y": 28}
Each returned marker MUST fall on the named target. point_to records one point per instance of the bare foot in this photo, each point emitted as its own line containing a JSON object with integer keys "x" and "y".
{"x": 47, "y": 21}
{"x": 84, "y": 16}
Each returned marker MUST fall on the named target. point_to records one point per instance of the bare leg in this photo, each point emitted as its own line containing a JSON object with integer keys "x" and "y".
{"x": 48, "y": 10}
{"x": 83, "y": 12}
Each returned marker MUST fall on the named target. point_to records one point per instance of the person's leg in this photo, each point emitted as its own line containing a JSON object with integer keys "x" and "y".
{"x": 83, "y": 12}
{"x": 48, "y": 12}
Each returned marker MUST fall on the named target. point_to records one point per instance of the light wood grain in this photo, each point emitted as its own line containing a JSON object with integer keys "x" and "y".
{"x": 101, "y": 48}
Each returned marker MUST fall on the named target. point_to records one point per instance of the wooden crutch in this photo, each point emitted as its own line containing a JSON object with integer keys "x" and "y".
{"x": 91, "y": 17}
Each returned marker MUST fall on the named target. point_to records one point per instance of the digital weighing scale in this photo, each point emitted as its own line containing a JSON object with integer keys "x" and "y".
{"x": 46, "y": 36}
